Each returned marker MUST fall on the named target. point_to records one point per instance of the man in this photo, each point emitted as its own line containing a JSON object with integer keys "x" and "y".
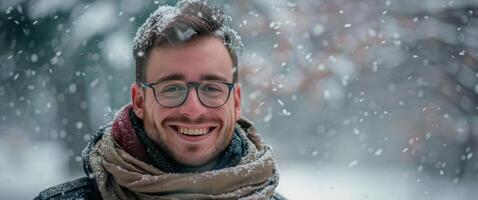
{"x": 182, "y": 136}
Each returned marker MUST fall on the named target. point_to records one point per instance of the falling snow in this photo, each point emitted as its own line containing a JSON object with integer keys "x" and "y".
{"x": 358, "y": 98}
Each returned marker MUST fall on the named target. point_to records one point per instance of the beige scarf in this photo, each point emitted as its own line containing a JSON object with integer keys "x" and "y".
{"x": 121, "y": 176}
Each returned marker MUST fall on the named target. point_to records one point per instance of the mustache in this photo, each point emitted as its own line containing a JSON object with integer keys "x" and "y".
{"x": 185, "y": 119}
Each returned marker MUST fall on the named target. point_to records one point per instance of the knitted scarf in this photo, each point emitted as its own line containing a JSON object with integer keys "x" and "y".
{"x": 124, "y": 169}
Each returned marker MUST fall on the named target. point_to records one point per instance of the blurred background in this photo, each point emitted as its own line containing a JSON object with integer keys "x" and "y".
{"x": 369, "y": 99}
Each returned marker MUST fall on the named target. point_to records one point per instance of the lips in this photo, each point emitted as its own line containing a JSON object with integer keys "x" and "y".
{"x": 192, "y": 133}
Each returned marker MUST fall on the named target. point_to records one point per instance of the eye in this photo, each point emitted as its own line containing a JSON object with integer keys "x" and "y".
{"x": 172, "y": 89}
{"x": 211, "y": 88}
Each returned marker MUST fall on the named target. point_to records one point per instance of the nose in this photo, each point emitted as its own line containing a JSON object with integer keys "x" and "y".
{"x": 192, "y": 107}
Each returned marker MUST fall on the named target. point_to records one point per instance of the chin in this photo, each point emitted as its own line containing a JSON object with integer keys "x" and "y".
{"x": 199, "y": 158}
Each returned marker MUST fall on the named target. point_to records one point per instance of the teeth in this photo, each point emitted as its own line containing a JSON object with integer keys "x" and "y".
{"x": 193, "y": 131}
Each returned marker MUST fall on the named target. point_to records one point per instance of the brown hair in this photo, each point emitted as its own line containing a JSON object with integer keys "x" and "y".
{"x": 181, "y": 24}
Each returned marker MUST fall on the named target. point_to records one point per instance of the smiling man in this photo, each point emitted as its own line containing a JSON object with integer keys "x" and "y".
{"x": 182, "y": 136}
{"x": 190, "y": 104}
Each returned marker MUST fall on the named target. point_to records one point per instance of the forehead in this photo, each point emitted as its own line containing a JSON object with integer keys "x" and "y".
{"x": 193, "y": 60}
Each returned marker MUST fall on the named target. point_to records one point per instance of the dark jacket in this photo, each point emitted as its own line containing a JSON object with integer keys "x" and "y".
{"x": 85, "y": 187}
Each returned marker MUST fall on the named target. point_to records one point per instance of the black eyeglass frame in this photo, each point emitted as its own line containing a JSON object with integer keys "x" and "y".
{"x": 189, "y": 86}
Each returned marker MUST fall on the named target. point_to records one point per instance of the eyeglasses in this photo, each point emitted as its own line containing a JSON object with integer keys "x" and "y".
{"x": 170, "y": 94}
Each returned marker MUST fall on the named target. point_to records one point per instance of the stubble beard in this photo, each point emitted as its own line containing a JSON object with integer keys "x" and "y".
{"x": 153, "y": 133}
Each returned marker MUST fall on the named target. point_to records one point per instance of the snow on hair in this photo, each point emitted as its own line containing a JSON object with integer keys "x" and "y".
{"x": 167, "y": 18}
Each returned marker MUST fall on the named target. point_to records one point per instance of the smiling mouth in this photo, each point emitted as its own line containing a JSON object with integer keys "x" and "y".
{"x": 193, "y": 131}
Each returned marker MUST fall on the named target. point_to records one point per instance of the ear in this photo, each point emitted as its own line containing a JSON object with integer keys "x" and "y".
{"x": 137, "y": 99}
{"x": 237, "y": 101}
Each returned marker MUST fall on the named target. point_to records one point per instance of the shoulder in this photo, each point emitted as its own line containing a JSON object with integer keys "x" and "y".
{"x": 278, "y": 196}
{"x": 82, "y": 188}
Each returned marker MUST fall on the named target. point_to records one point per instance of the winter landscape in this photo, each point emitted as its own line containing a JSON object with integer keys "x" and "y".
{"x": 369, "y": 99}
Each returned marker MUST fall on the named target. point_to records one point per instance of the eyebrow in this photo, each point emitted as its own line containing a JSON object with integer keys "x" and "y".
{"x": 180, "y": 77}
{"x": 212, "y": 77}
{"x": 171, "y": 77}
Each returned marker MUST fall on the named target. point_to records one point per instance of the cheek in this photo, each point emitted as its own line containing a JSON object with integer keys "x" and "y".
{"x": 229, "y": 117}
{"x": 152, "y": 119}
{"x": 227, "y": 112}
{"x": 152, "y": 108}
{"x": 157, "y": 114}
{"x": 232, "y": 114}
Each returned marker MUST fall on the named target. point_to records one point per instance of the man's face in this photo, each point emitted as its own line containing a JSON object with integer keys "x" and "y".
{"x": 202, "y": 59}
